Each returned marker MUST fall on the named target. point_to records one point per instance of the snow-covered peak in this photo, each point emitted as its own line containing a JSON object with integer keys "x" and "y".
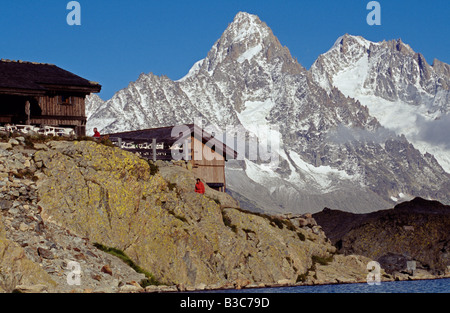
{"x": 346, "y": 51}
{"x": 244, "y": 39}
{"x": 345, "y": 39}
{"x": 242, "y": 16}
{"x": 396, "y": 84}
{"x": 246, "y": 26}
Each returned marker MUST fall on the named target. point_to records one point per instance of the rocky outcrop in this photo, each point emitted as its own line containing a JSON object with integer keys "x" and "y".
{"x": 410, "y": 239}
{"x": 61, "y": 200}
{"x": 35, "y": 253}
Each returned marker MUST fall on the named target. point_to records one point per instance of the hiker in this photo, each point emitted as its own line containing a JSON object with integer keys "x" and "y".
{"x": 199, "y": 187}
{"x": 96, "y": 133}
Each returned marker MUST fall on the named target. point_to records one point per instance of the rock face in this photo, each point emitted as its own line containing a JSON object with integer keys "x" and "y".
{"x": 36, "y": 253}
{"x": 61, "y": 198}
{"x": 16, "y": 269}
{"x": 416, "y": 231}
{"x": 331, "y": 148}
{"x": 405, "y": 93}
{"x": 391, "y": 70}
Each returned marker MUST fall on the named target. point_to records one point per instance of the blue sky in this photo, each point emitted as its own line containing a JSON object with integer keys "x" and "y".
{"x": 117, "y": 39}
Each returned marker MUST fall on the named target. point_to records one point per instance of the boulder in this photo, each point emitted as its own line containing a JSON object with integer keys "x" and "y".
{"x": 106, "y": 269}
{"x": 13, "y": 142}
{"x": 45, "y": 253}
{"x": 40, "y": 146}
{"x": 301, "y": 222}
{"x": 5, "y": 145}
{"x": 130, "y": 289}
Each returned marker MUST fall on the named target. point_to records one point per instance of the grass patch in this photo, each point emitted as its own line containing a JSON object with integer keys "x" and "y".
{"x": 83, "y": 138}
{"x": 301, "y": 278}
{"x": 149, "y": 280}
{"x": 106, "y": 142}
{"x": 315, "y": 260}
{"x": 32, "y": 139}
{"x": 322, "y": 260}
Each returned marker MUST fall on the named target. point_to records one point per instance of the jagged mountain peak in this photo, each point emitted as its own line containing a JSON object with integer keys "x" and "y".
{"x": 394, "y": 44}
{"x": 248, "y": 79}
{"x": 401, "y": 46}
{"x": 350, "y": 39}
{"x": 245, "y": 26}
{"x": 246, "y": 39}
{"x": 441, "y": 68}
{"x": 241, "y": 15}
{"x": 412, "y": 78}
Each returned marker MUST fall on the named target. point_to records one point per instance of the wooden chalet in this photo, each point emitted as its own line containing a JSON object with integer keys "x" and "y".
{"x": 206, "y": 154}
{"x": 43, "y": 94}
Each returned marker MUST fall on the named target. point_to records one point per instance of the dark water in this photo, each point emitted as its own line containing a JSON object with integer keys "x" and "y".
{"x": 416, "y": 286}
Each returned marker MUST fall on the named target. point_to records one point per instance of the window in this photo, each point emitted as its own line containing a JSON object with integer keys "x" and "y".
{"x": 66, "y": 100}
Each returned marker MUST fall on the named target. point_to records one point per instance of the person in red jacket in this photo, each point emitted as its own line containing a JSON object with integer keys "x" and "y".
{"x": 96, "y": 133}
{"x": 199, "y": 187}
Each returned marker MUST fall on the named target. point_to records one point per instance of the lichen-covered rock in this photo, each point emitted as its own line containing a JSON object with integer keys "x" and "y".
{"x": 181, "y": 237}
{"x": 184, "y": 180}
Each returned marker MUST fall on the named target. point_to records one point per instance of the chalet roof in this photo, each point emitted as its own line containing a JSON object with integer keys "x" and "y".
{"x": 41, "y": 77}
{"x": 164, "y": 135}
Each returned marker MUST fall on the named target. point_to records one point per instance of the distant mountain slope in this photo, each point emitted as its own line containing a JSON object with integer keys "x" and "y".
{"x": 404, "y": 92}
{"x": 331, "y": 150}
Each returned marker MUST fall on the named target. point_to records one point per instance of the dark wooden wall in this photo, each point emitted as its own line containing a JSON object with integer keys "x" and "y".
{"x": 51, "y": 111}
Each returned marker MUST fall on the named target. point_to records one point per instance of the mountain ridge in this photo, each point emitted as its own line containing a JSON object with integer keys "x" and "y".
{"x": 392, "y": 80}
{"x": 331, "y": 148}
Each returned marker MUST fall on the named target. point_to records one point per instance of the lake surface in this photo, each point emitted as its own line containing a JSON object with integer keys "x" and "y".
{"x": 415, "y": 286}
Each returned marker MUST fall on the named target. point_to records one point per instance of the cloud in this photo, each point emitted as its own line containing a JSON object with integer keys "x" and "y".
{"x": 435, "y": 131}
{"x": 344, "y": 134}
